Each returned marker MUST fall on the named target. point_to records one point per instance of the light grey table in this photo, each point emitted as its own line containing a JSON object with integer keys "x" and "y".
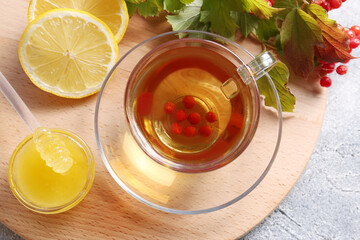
{"x": 325, "y": 203}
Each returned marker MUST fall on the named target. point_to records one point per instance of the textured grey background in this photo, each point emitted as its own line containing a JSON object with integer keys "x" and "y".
{"x": 325, "y": 203}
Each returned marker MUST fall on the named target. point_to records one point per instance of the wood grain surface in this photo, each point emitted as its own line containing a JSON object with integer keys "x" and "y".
{"x": 108, "y": 212}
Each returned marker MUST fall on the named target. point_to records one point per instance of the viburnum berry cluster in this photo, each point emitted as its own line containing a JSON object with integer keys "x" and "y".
{"x": 354, "y": 41}
{"x": 329, "y": 5}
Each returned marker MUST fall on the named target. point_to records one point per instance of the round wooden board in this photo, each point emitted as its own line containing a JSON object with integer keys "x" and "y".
{"x": 108, "y": 212}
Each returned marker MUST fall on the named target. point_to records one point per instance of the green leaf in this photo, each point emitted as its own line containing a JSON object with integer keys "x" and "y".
{"x": 219, "y": 17}
{"x": 299, "y": 34}
{"x": 186, "y": 19}
{"x": 336, "y": 41}
{"x": 204, "y": 16}
{"x": 173, "y": 5}
{"x": 279, "y": 75}
{"x": 189, "y": 18}
{"x": 267, "y": 29}
{"x": 246, "y": 22}
{"x": 131, "y": 7}
{"x": 287, "y": 5}
{"x": 259, "y": 8}
{"x": 150, "y": 8}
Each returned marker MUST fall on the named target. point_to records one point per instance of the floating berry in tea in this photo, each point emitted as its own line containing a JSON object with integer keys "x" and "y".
{"x": 189, "y": 101}
{"x": 169, "y": 107}
{"x": 180, "y": 115}
{"x": 205, "y": 131}
{"x": 189, "y": 131}
{"x": 211, "y": 117}
{"x": 236, "y": 120}
{"x": 194, "y": 118}
{"x": 144, "y": 103}
{"x": 176, "y": 128}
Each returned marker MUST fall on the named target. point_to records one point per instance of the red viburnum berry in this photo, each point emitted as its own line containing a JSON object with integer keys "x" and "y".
{"x": 189, "y": 101}
{"x": 189, "y": 131}
{"x": 356, "y": 30}
{"x": 169, "y": 107}
{"x": 180, "y": 115}
{"x": 194, "y": 118}
{"x": 350, "y": 34}
{"x": 335, "y": 3}
{"x": 211, "y": 117}
{"x": 325, "y": 81}
{"x": 176, "y": 128}
{"x": 328, "y": 67}
{"x": 354, "y": 43}
{"x": 341, "y": 70}
{"x": 325, "y": 5}
{"x": 205, "y": 131}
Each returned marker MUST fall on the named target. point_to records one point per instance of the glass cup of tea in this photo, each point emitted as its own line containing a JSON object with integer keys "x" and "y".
{"x": 192, "y": 104}
{"x": 187, "y": 104}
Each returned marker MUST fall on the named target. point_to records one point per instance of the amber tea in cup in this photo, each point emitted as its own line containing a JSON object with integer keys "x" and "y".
{"x": 192, "y": 104}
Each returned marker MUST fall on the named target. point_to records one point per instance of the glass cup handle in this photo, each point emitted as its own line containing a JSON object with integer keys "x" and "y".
{"x": 257, "y": 68}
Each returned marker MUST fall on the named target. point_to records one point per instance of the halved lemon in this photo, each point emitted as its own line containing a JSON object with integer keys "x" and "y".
{"x": 68, "y": 52}
{"x": 113, "y": 12}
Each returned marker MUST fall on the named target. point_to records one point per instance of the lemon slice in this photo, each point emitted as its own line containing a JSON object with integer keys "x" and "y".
{"x": 113, "y": 12}
{"x": 68, "y": 52}
{"x": 52, "y": 150}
